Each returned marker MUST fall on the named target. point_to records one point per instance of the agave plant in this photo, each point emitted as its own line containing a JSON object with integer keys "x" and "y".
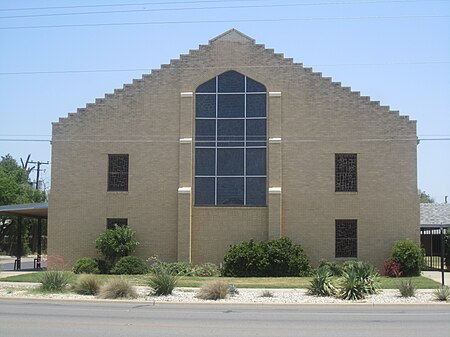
{"x": 358, "y": 280}
{"x": 321, "y": 284}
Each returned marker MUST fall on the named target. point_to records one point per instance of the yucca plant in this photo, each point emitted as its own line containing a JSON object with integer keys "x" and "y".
{"x": 54, "y": 280}
{"x": 442, "y": 293}
{"x": 358, "y": 280}
{"x": 163, "y": 282}
{"x": 117, "y": 288}
{"x": 321, "y": 284}
{"x": 87, "y": 284}
{"x": 407, "y": 288}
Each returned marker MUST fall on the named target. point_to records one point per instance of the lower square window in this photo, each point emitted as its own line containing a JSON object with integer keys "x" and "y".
{"x": 111, "y": 222}
{"x": 346, "y": 238}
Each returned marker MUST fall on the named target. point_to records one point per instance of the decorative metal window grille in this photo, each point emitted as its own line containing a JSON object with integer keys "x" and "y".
{"x": 346, "y": 238}
{"x": 346, "y": 172}
{"x": 111, "y": 222}
{"x": 118, "y": 172}
{"x": 231, "y": 141}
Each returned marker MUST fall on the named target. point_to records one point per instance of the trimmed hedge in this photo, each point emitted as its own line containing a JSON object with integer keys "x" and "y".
{"x": 130, "y": 265}
{"x": 274, "y": 258}
{"x": 86, "y": 265}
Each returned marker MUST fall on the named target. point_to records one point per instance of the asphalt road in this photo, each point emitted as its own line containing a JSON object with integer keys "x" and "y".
{"x": 20, "y": 318}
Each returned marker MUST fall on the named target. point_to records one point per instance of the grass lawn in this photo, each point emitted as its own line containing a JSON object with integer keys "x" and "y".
{"x": 243, "y": 282}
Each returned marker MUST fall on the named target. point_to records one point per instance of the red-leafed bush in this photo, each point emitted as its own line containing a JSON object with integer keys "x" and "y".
{"x": 392, "y": 268}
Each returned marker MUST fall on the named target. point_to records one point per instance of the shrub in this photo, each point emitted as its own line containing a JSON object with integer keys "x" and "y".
{"x": 116, "y": 243}
{"x": 130, "y": 265}
{"x": 442, "y": 293}
{"x": 407, "y": 288}
{"x": 410, "y": 256}
{"x": 392, "y": 268}
{"x": 54, "y": 280}
{"x": 175, "y": 268}
{"x": 335, "y": 268}
{"x": 86, "y": 265}
{"x": 358, "y": 280}
{"x": 163, "y": 282}
{"x": 206, "y": 270}
{"x": 215, "y": 290}
{"x": 273, "y": 258}
{"x": 87, "y": 285}
{"x": 321, "y": 284}
{"x": 267, "y": 293}
{"x": 117, "y": 288}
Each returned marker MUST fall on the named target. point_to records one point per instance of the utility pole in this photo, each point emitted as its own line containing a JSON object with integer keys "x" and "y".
{"x": 38, "y": 170}
{"x": 39, "y": 228}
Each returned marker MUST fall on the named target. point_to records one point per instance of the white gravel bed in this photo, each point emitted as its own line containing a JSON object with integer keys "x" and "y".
{"x": 245, "y": 296}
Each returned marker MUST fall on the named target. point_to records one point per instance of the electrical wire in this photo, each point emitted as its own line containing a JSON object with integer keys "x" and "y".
{"x": 81, "y": 71}
{"x": 188, "y": 22}
{"x": 216, "y": 1}
{"x": 193, "y": 9}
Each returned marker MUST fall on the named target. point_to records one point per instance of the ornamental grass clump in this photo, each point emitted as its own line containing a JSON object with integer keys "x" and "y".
{"x": 116, "y": 289}
{"x": 267, "y": 293}
{"x": 163, "y": 282}
{"x": 54, "y": 280}
{"x": 87, "y": 285}
{"x": 322, "y": 283}
{"x": 442, "y": 293}
{"x": 214, "y": 290}
{"x": 407, "y": 288}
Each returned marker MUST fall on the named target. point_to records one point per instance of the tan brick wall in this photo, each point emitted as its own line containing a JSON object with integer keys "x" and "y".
{"x": 315, "y": 118}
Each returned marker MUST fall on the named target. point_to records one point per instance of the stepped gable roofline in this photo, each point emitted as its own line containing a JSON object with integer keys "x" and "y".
{"x": 232, "y": 35}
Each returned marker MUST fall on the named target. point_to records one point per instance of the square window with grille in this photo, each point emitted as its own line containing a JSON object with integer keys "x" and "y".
{"x": 346, "y": 172}
{"x": 346, "y": 238}
{"x": 118, "y": 172}
{"x": 111, "y": 222}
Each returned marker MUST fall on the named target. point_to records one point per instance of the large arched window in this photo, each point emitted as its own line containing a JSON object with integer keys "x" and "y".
{"x": 231, "y": 141}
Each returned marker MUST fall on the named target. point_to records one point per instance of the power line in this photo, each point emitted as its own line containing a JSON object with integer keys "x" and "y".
{"x": 199, "y": 8}
{"x": 154, "y": 23}
{"x": 176, "y": 141}
{"x": 214, "y": 1}
{"x": 80, "y": 71}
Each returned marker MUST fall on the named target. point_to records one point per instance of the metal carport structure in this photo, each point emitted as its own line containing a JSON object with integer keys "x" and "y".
{"x": 38, "y": 211}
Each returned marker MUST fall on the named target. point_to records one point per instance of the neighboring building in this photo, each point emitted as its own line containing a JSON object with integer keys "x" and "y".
{"x": 233, "y": 142}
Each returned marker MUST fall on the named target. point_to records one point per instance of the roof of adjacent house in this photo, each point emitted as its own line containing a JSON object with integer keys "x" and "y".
{"x": 434, "y": 215}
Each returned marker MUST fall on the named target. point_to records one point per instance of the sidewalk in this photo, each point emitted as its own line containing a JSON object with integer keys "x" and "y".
{"x": 437, "y": 276}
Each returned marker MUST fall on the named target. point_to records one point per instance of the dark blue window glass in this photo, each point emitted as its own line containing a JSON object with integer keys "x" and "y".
{"x": 253, "y": 86}
{"x": 256, "y": 132}
{"x": 209, "y": 86}
{"x": 230, "y": 132}
{"x": 256, "y": 105}
{"x": 205, "y": 132}
{"x": 230, "y": 191}
{"x": 205, "y": 105}
{"x": 231, "y": 81}
{"x": 231, "y": 106}
{"x": 230, "y": 162}
{"x": 256, "y": 191}
{"x": 231, "y": 141}
{"x": 256, "y": 162}
{"x": 205, "y": 161}
{"x": 204, "y": 191}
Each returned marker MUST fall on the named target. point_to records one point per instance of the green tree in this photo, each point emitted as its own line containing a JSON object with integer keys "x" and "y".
{"x": 15, "y": 188}
{"x": 425, "y": 198}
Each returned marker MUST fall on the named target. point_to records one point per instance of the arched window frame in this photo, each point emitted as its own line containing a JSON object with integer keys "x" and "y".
{"x": 231, "y": 142}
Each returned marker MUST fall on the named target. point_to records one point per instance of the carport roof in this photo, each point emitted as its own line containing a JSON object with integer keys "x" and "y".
{"x": 39, "y": 210}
